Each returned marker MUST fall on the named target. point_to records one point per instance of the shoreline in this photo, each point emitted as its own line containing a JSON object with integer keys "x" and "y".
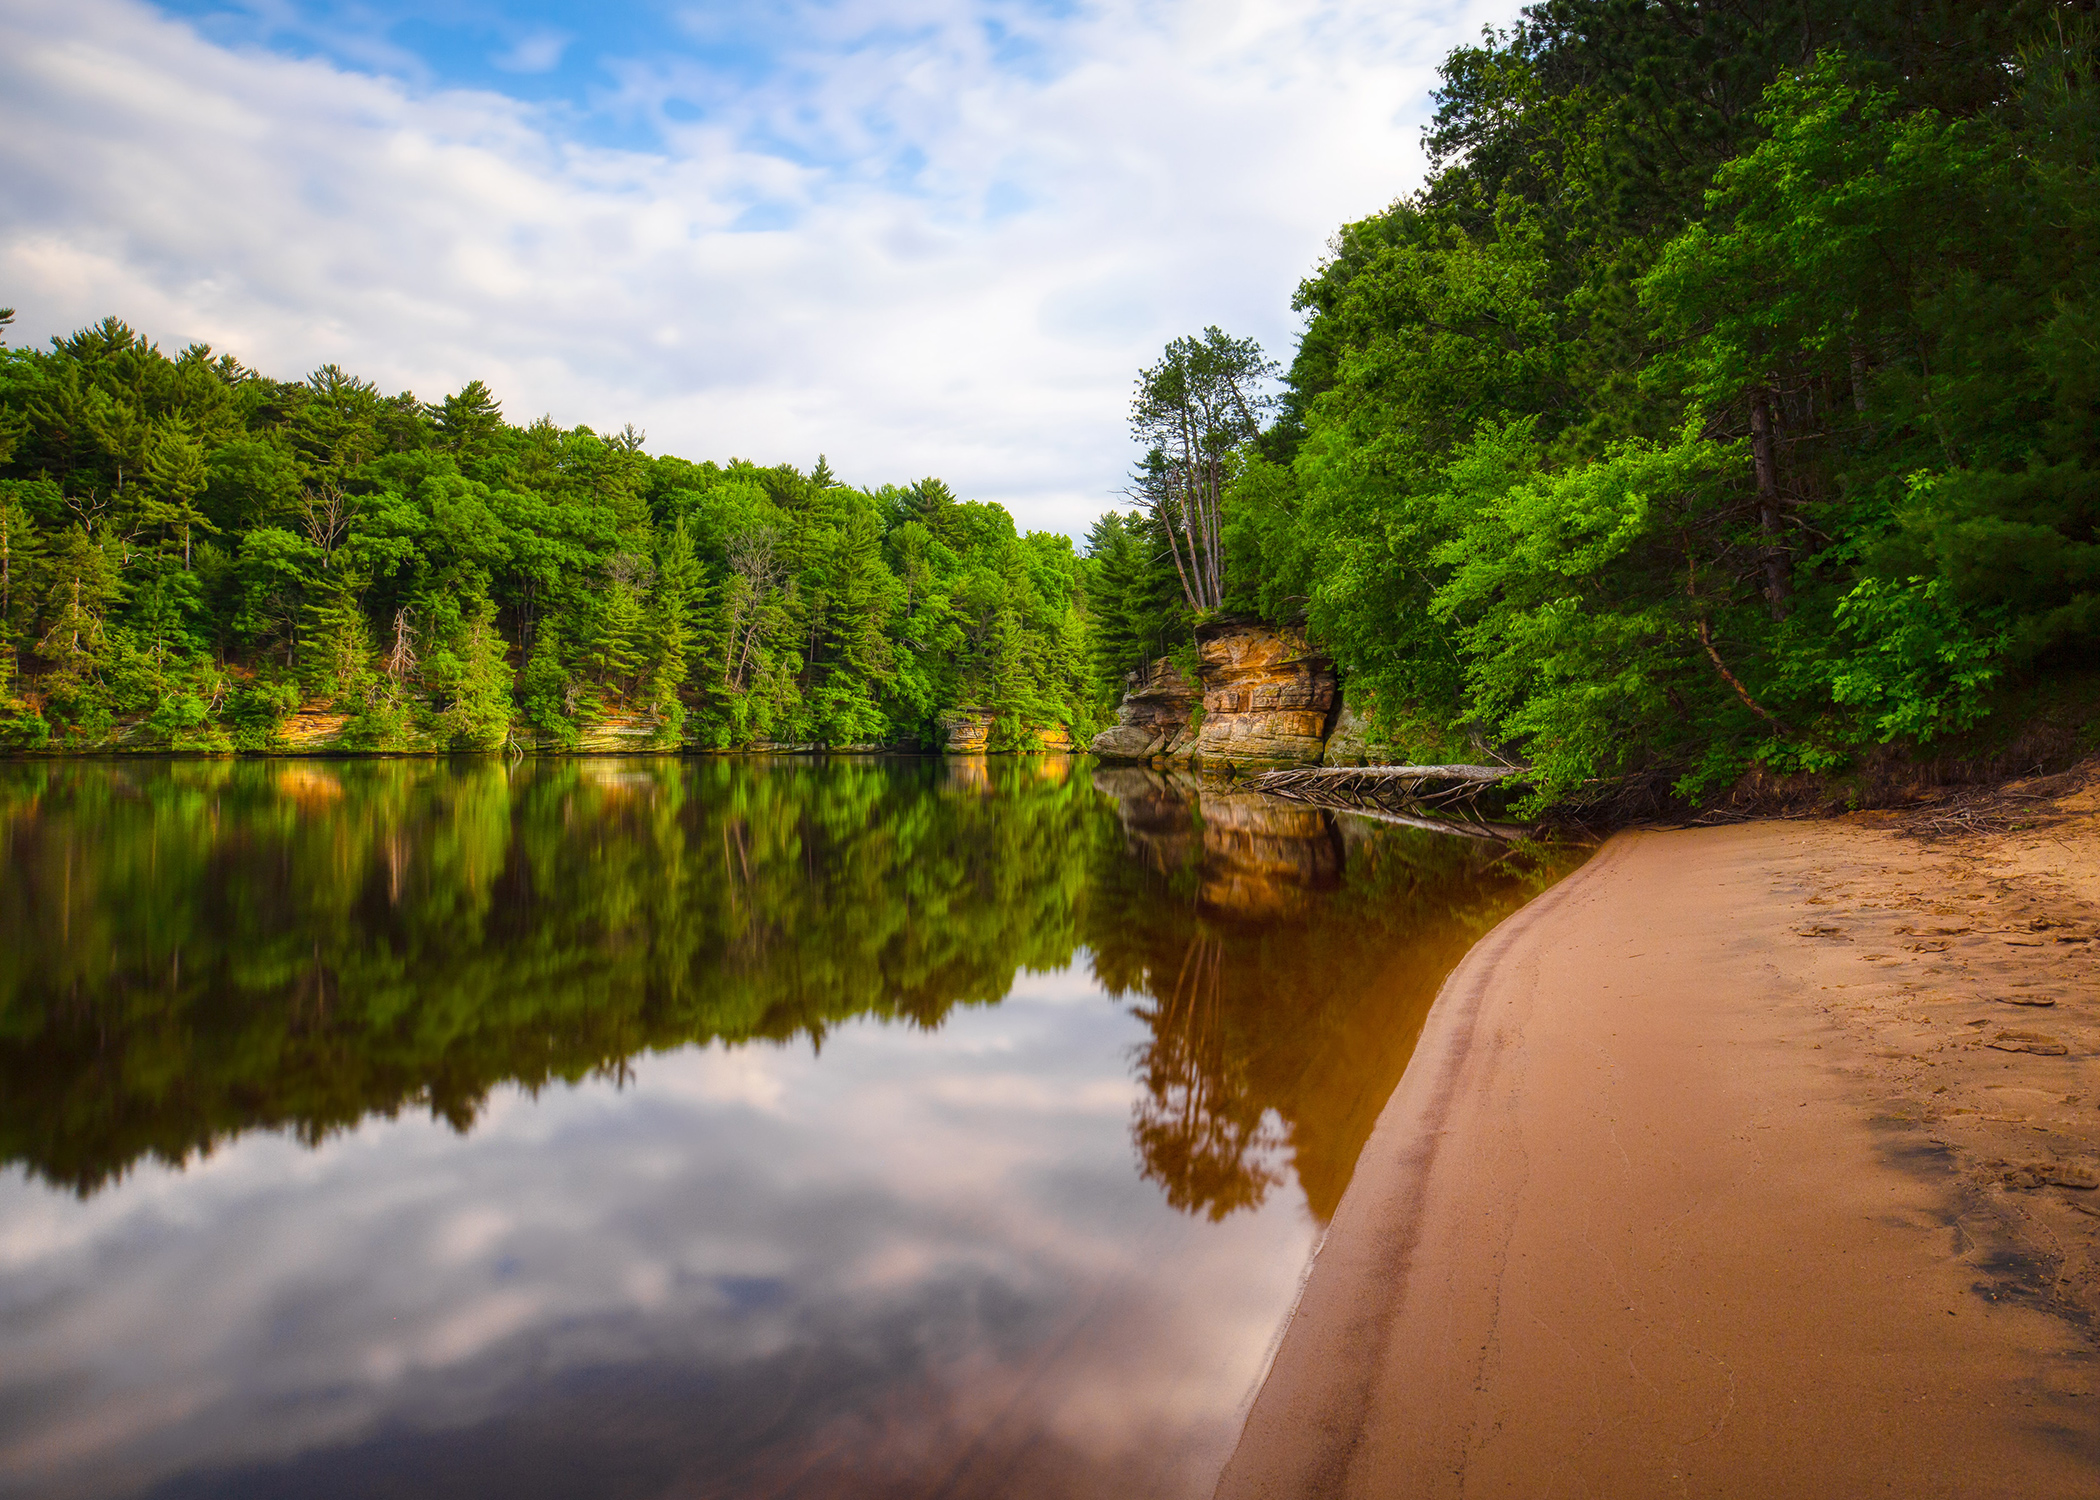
{"x": 1723, "y": 1168}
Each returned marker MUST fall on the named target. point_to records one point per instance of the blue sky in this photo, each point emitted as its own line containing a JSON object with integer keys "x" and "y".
{"x": 920, "y": 236}
{"x": 608, "y": 74}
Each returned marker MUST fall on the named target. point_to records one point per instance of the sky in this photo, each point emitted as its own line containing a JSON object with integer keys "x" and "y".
{"x": 920, "y": 237}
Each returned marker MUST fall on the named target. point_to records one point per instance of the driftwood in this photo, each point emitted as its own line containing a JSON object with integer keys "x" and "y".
{"x": 1400, "y": 794}
{"x": 1468, "y": 828}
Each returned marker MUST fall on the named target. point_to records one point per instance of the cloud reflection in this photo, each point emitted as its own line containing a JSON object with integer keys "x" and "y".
{"x": 747, "y": 1272}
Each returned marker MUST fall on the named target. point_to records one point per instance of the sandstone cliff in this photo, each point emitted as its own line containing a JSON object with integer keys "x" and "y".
{"x": 968, "y": 731}
{"x": 1352, "y": 743}
{"x": 1266, "y": 697}
{"x": 1153, "y": 719}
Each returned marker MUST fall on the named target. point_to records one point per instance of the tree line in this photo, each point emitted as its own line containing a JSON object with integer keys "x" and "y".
{"x": 1724, "y": 399}
{"x": 191, "y": 552}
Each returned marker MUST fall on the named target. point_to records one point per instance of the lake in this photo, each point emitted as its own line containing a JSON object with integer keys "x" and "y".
{"x": 679, "y": 1127}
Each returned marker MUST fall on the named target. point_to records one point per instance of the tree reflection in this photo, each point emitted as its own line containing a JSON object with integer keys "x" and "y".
{"x": 192, "y": 949}
{"x": 1201, "y": 1132}
{"x": 1283, "y": 958}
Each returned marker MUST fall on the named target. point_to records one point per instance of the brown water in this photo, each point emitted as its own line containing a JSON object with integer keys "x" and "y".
{"x": 678, "y": 1128}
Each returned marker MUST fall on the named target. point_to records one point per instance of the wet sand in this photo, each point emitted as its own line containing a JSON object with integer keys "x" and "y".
{"x": 1728, "y": 1168}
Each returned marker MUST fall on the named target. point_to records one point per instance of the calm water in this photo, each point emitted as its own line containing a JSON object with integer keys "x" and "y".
{"x": 677, "y": 1128}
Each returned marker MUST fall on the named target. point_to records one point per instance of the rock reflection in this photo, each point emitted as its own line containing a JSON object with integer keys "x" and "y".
{"x": 1283, "y": 959}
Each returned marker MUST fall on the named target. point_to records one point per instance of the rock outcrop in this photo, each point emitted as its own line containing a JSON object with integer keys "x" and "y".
{"x": 1153, "y": 719}
{"x": 1350, "y": 742}
{"x": 1267, "y": 695}
{"x": 965, "y": 731}
{"x": 968, "y": 731}
{"x": 1266, "y": 698}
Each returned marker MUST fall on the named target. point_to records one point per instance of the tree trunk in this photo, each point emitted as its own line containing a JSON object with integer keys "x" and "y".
{"x": 1167, "y": 523}
{"x": 1777, "y": 563}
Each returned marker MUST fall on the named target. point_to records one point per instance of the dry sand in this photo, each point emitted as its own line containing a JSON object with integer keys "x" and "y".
{"x": 1713, "y": 1175}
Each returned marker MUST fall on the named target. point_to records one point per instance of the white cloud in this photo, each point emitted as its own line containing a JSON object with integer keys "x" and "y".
{"x": 970, "y": 236}
{"x": 535, "y": 52}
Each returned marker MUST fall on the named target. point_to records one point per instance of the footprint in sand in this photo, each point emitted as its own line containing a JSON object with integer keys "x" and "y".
{"x": 2071, "y": 1174}
{"x": 2028, "y": 1041}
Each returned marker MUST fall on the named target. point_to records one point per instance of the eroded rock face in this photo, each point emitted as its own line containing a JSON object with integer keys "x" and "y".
{"x": 968, "y": 731}
{"x": 965, "y": 731}
{"x": 1350, "y": 743}
{"x": 1267, "y": 697}
{"x": 621, "y": 732}
{"x": 1153, "y": 718}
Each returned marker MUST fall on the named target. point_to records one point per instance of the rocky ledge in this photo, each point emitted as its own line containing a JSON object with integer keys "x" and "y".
{"x": 968, "y": 731}
{"x": 1264, "y": 696}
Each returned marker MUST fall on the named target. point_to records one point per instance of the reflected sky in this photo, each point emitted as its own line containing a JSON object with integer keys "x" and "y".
{"x": 783, "y": 1207}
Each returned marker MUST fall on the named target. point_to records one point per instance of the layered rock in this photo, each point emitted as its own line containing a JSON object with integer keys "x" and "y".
{"x": 1350, "y": 742}
{"x": 968, "y": 731}
{"x": 1266, "y": 698}
{"x": 1153, "y": 719}
{"x": 622, "y": 734}
{"x": 965, "y": 731}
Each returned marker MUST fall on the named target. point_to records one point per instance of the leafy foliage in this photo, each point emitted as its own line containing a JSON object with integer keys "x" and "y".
{"x": 191, "y": 553}
{"x": 1726, "y": 394}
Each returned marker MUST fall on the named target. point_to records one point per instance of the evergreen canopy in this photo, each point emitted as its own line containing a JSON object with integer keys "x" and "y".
{"x": 193, "y": 551}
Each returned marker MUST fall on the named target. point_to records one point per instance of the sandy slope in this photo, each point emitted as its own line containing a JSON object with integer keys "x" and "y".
{"x": 1711, "y": 1176}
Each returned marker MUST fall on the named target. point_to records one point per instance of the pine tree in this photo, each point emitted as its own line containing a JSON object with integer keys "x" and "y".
{"x": 546, "y": 689}
{"x": 338, "y": 654}
{"x": 175, "y": 476}
{"x": 83, "y": 583}
{"x": 480, "y": 713}
{"x": 619, "y": 642}
{"x": 675, "y": 601}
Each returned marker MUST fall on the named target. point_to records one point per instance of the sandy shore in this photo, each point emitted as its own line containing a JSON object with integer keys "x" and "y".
{"x": 1730, "y": 1167}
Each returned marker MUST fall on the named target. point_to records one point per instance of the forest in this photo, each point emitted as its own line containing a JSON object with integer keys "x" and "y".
{"x": 192, "y": 552}
{"x": 1724, "y": 402}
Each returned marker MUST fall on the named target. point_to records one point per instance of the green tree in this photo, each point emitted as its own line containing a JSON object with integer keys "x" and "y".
{"x": 1192, "y": 411}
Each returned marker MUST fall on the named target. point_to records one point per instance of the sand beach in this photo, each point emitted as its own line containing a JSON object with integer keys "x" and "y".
{"x": 1759, "y": 1160}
